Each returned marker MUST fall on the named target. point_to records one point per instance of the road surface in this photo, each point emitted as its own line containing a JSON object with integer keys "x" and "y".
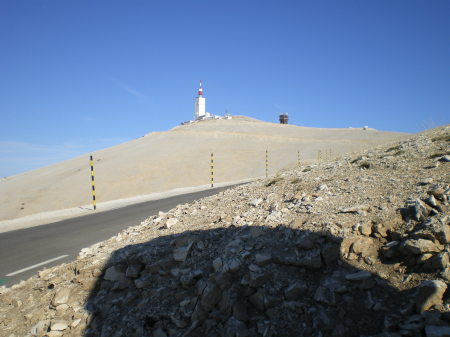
{"x": 25, "y": 251}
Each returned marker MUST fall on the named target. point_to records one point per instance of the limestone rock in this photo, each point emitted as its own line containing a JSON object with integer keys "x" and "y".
{"x": 421, "y": 246}
{"x": 211, "y": 295}
{"x": 425, "y": 181}
{"x": 62, "y": 296}
{"x": 59, "y": 325}
{"x": 133, "y": 270}
{"x": 437, "y": 331}
{"x": 311, "y": 260}
{"x": 217, "y": 264}
{"x": 437, "y": 192}
{"x": 39, "y": 328}
{"x": 415, "y": 209}
{"x": 325, "y": 295}
{"x": 437, "y": 262}
{"x": 322, "y": 187}
{"x": 235, "y": 327}
{"x": 355, "y": 209}
{"x": 381, "y": 230}
{"x": 232, "y": 265}
{"x": 442, "y": 232}
{"x": 263, "y": 259}
{"x": 446, "y": 274}
{"x": 366, "y": 246}
{"x": 171, "y": 222}
{"x": 430, "y": 294}
{"x": 255, "y": 202}
{"x": 143, "y": 281}
{"x": 180, "y": 254}
{"x": 75, "y": 323}
{"x": 366, "y": 229}
{"x": 295, "y": 290}
{"x": 159, "y": 332}
{"x": 112, "y": 274}
{"x": 431, "y": 201}
{"x": 358, "y": 276}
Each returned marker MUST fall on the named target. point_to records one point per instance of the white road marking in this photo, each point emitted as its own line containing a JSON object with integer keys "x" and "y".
{"x": 37, "y": 265}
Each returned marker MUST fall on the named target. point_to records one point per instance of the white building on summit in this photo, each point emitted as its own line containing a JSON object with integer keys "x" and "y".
{"x": 200, "y": 105}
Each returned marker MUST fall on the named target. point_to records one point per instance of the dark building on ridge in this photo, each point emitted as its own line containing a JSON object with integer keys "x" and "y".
{"x": 284, "y": 118}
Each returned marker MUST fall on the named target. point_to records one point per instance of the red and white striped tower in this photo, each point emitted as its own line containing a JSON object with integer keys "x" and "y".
{"x": 200, "y": 104}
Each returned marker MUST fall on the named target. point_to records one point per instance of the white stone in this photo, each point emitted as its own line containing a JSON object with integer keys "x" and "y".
{"x": 61, "y": 297}
{"x": 59, "y": 325}
{"x": 255, "y": 202}
{"x": 112, "y": 274}
{"x": 171, "y": 222}
{"x": 180, "y": 254}
{"x": 75, "y": 323}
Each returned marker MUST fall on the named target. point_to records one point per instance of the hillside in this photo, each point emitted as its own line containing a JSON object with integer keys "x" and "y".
{"x": 177, "y": 158}
{"x": 358, "y": 246}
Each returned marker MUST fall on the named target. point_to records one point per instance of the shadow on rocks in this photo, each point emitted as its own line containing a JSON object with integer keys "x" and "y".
{"x": 252, "y": 281}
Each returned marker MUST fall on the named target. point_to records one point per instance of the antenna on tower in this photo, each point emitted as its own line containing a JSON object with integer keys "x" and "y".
{"x": 200, "y": 89}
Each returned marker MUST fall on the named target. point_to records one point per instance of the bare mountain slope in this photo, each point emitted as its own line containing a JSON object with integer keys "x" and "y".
{"x": 177, "y": 158}
{"x": 353, "y": 247}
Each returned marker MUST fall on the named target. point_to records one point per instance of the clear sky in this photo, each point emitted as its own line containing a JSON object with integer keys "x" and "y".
{"x": 78, "y": 76}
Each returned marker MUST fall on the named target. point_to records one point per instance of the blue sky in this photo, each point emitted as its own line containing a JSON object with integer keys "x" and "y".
{"x": 77, "y": 76}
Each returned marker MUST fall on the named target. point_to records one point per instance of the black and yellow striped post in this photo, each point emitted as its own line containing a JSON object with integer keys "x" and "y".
{"x": 93, "y": 184}
{"x": 298, "y": 158}
{"x": 267, "y": 163}
{"x": 212, "y": 170}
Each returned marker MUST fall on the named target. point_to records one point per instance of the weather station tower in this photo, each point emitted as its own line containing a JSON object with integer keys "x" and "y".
{"x": 200, "y": 104}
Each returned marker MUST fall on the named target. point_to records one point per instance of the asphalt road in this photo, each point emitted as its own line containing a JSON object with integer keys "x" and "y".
{"x": 24, "y": 252}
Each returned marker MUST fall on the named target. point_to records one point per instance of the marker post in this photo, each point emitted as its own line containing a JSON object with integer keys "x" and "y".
{"x": 267, "y": 163}
{"x": 212, "y": 170}
{"x": 94, "y": 203}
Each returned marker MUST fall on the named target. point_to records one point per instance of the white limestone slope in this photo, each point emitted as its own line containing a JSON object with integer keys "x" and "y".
{"x": 178, "y": 158}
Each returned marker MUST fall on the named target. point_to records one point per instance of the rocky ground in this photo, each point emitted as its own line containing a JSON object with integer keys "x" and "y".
{"x": 357, "y": 246}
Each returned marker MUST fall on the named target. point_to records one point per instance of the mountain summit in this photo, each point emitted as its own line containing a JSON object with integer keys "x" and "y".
{"x": 177, "y": 158}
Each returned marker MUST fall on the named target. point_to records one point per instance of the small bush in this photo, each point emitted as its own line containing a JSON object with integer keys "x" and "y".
{"x": 307, "y": 169}
{"x": 295, "y": 181}
{"x": 274, "y": 181}
{"x": 398, "y": 153}
{"x": 365, "y": 164}
{"x": 439, "y": 154}
{"x": 442, "y": 138}
{"x": 394, "y": 148}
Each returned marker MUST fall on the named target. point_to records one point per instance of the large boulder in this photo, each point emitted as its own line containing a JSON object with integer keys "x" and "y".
{"x": 430, "y": 294}
{"x": 421, "y": 246}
